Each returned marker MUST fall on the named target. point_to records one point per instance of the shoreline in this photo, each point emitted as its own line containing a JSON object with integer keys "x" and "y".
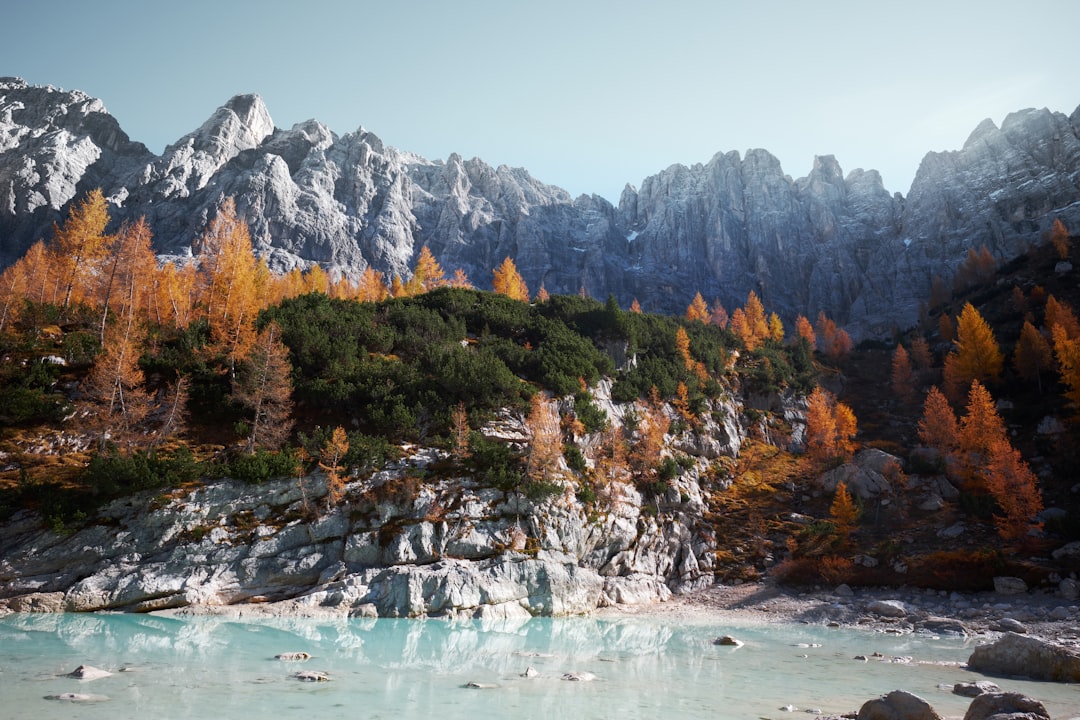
{"x": 897, "y": 610}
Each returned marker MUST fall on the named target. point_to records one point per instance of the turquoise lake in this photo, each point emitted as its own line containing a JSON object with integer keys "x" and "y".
{"x": 167, "y": 667}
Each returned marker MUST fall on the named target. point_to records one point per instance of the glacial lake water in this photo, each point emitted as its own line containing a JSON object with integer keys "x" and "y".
{"x": 402, "y": 669}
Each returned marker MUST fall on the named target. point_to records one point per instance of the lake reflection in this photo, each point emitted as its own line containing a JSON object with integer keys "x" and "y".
{"x": 400, "y": 669}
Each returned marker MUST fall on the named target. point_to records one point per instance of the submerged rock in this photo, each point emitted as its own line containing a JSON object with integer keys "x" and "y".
{"x": 311, "y": 676}
{"x": 579, "y": 677}
{"x": 974, "y": 689}
{"x": 77, "y": 697}
{"x": 293, "y": 656}
{"x": 88, "y": 672}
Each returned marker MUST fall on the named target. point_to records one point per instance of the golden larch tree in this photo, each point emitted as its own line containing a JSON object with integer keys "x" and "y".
{"x": 830, "y": 427}
{"x": 1014, "y": 487}
{"x": 14, "y": 289}
{"x": 545, "y": 440}
{"x": 1067, "y": 352}
{"x": 805, "y": 330}
{"x": 776, "y": 328}
{"x": 976, "y": 357}
{"x": 331, "y": 456}
{"x": 1061, "y": 314}
{"x": 843, "y": 511}
{"x": 718, "y": 316}
{"x": 508, "y": 281}
{"x": 371, "y": 287}
{"x": 697, "y": 309}
{"x": 79, "y": 244}
{"x": 939, "y": 428}
{"x": 427, "y": 275}
{"x": 635, "y": 306}
{"x": 459, "y": 428}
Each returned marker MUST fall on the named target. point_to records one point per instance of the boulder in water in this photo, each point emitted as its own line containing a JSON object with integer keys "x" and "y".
{"x": 1022, "y": 656}
{"x": 293, "y": 656}
{"x": 1005, "y": 706}
{"x": 897, "y": 705}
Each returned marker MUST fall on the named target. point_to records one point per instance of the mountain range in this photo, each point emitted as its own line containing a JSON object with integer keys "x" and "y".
{"x": 828, "y": 241}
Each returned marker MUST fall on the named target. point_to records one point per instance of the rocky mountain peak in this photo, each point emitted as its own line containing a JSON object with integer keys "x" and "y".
{"x": 725, "y": 227}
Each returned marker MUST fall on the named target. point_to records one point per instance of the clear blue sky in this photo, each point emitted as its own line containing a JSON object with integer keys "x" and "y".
{"x": 585, "y": 94}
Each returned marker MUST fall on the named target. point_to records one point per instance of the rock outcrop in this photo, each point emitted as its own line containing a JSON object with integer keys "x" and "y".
{"x": 842, "y": 244}
{"x": 397, "y": 547}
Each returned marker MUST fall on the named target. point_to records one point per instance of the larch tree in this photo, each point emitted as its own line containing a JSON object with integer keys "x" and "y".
{"x": 843, "y": 511}
{"x": 654, "y": 425}
{"x": 635, "y": 306}
{"x": 542, "y": 295}
{"x": 776, "y": 328}
{"x": 316, "y": 280}
{"x": 939, "y": 428}
{"x": 977, "y": 356}
{"x": 545, "y": 440}
{"x": 14, "y": 289}
{"x": 718, "y": 316}
{"x": 902, "y": 376}
{"x": 830, "y": 427}
{"x": 460, "y": 279}
{"x": 920, "y": 354}
{"x": 231, "y": 289}
{"x": 682, "y": 345}
{"x": 697, "y": 309}
{"x": 755, "y": 318}
{"x": 1061, "y": 314}
{"x": 980, "y": 427}
{"x": 459, "y": 428}
{"x": 427, "y": 275}
{"x": 128, "y": 260}
{"x": 508, "y": 281}
{"x": 1014, "y": 487}
{"x": 79, "y": 244}
{"x": 1032, "y": 355}
{"x": 118, "y": 401}
{"x": 331, "y": 456}
{"x": 371, "y": 287}
{"x": 1067, "y": 352}
{"x": 175, "y": 294}
{"x": 264, "y": 386}
{"x": 805, "y": 330}
{"x": 1059, "y": 238}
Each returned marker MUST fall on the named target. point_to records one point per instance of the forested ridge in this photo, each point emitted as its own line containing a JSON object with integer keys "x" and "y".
{"x": 122, "y": 374}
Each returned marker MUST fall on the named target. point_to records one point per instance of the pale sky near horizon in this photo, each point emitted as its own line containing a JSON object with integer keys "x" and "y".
{"x": 585, "y": 94}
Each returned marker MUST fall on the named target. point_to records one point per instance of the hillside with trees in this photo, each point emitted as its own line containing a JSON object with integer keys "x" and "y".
{"x": 121, "y": 374}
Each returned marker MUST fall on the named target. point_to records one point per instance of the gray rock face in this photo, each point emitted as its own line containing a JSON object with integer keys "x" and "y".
{"x": 842, "y": 244}
{"x": 453, "y": 549}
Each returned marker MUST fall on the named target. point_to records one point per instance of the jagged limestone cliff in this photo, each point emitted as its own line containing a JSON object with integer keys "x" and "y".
{"x": 842, "y": 244}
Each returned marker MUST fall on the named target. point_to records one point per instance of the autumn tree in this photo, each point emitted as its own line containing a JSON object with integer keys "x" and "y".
{"x": 459, "y": 427}
{"x": 1067, "y": 352}
{"x": 545, "y": 440}
{"x": 833, "y": 340}
{"x": 718, "y": 316}
{"x": 230, "y": 290}
{"x": 939, "y": 428}
{"x": 427, "y": 275}
{"x": 682, "y": 345}
{"x": 14, "y": 289}
{"x": 776, "y": 328}
{"x": 977, "y": 355}
{"x": 1014, "y": 487}
{"x": 635, "y": 306}
{"x": 127, "y": 270}
{"x": 173, "y": 410}
{"x": 843, "y": 511}
{"x": 1059, "y": 237}
{"x": 460, "y": 279}
{"x": 652, "y": 427}
{"x": 79, "y": 244}
{"x": 920, "y": 355}
{"x": 371, "y": 287}
{"x": 330, "y": 462}
{"x": 698, "y": 310}
{"x": 114, "y": 388}
{"x": 804, "y": 330}
{"x": 610, "y": 455}
{"x": 830, "y": 427}
{"x": 902, "y": 376}
{"x": 1032, "y": 355}
{"x": 1061, "y": 314}
{"x": 174, "y": 294}
{"x": 507, "y": 281}
{"x": 265, "y": 388}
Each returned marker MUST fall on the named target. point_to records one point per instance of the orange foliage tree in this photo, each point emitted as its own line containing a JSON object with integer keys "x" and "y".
{"x": 1059, "y": 237}
{"x": 843, "y": 511}
{"x": 976, "y": 357}
{"x": 330, "y": 457}
{"x": 79, "y": 244}
{"x": 427, "y": 275}
{"x": 508, "y": 281}
{"x": 939, "y": 428}
{"x": 1032, "y": 355}
{"x": 833, "y": 341}
{"x": 545, "y": 440}
{"x": 830, "y": 427}
{"x": 698, "y": 310}
{"x": 805, "y": 331}
{"x": 1014, "y": 487}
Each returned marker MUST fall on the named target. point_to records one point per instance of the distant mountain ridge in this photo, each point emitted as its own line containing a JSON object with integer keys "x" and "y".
{"x": 827, "y": 242}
